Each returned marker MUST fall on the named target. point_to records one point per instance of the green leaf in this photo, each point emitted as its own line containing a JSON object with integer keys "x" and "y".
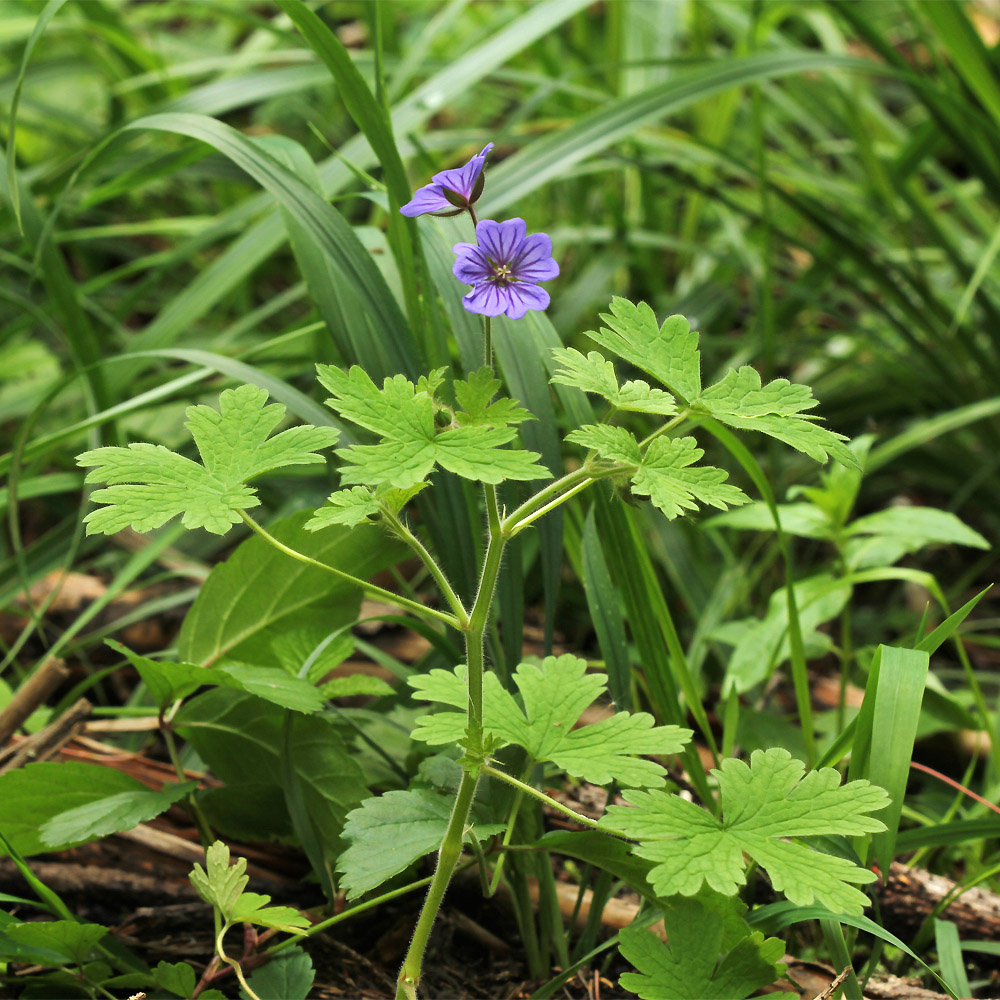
{"x": 615, "y": 444}
{"x": 356, "y": 505}
{"x": 112, "y": 814}
{"x": 355, "y": 685}
{"x": 220, "y": 884}
{"x": 555, "y": 695}
{"x": 763, "y": 644}
{"x": 288, "y": 976}
{"x": 802, "y": 519}
{"x": 667, "y": 478}
{"x": 241, "y": 738}
{"x": 150, "y": 484}
{"x": 695, "y": 962}
{"x": 168, "y": 681}
{"x": 917, "y": 527}
{"x": 178, "y": 978}
{"x": 33, "y": 796}
{"x": 761, "y": 804}
{"x": 350, "y": 507}
{"x": 252, "y": 908}
{"x": 664, "y": 472}
{"x": 740, "y": 401}
{"x": 403, "y": 415}
{"x": 388, "y": 833}
{"x": 74, "y": 941}
{"x": 592, "y": 373}
{"x": 669, "y": 352}
{"x": 474, "y": 395}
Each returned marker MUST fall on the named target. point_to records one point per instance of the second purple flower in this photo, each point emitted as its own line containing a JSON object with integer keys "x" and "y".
{"x": 504, "y": 269}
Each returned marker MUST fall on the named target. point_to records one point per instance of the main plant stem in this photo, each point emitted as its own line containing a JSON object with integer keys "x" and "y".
{"x": 451, "y": 846}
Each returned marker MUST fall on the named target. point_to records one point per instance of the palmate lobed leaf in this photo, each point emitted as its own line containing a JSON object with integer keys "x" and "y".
{"x": 761, "y": 804}
{"x": 667, "y": 478}
{"x": 669, "y": 352}
{"x": 359, "y": 504}
{"x": 593, "y": 373}
{"x": 699, "y": 959}
{"x": 664, "y": 473}
{"x": 222, "y": 885}
{"x": 555, "y": 695}
{"x": 147, "y": 484}
{"x": 405, "y": 415}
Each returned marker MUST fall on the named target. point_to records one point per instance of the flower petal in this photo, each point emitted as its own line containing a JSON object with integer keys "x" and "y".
{"x": 487, "y": 299}
{"x": 471, "y": 266}
{"x": 463, "y": 179}
{"x": 523, "y": 296}
{"x": 534, "y": 259}
{"x": 429, "y": 198}
{"x": 501, "y": 240}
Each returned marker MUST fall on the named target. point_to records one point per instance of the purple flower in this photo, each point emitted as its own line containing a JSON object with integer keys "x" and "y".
{"x": 504, "y": 267}
{"x": 450, "y": 190}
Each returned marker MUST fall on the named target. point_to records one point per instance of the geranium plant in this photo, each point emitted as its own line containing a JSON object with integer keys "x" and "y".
{"x": 462, "y": 425}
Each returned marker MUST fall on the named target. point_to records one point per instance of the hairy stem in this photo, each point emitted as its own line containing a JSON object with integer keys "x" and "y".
{"x": 447, "y": 591}
{"x": 450, "y": 852}
{"x": 386, "y": 595}
{"x": 451, "y": 846}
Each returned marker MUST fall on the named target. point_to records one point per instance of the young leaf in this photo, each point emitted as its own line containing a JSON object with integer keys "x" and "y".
{"x": 149, "y": 484}
{"x": 593, "y": 373}
{"x": 222, "y": 885}
{"x": 696, "y": 961}
{"x": 357, "y": 504}
{"x": 403, "y": 415}
{"x": 740, "y": 401}
{"x": 219, "y": 883}
{"x": 391, "y": 831}
{"x": 351, "y": 507}
{"x": 474, "y": 395}
{"x": 555, "y": 695}
{"x": 761, "y": 804}
{"x": 669, "y": 352}
{"x": 615, "y": 444}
